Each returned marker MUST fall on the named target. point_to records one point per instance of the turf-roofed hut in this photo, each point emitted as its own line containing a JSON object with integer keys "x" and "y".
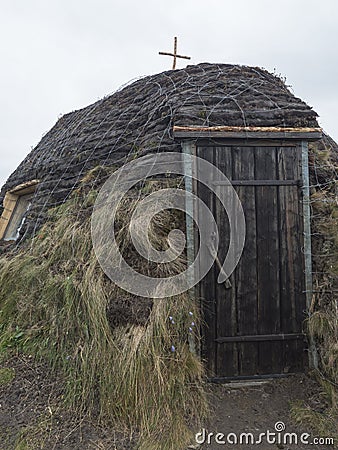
{"x": 126, "y": 356}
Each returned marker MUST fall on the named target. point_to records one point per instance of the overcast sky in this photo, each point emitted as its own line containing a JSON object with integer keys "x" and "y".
{"x": 58, "y": 56}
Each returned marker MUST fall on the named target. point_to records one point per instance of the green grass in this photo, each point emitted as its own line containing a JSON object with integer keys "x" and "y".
{"x": 7, "y": 375}
{"x": 21, "y": 444}
{"x": 322, "y": 423}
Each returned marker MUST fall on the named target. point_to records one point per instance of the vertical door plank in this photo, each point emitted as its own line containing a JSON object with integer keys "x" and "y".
{"x": 270, "y": 359}
{"x": 246, "y": 271}
{"x": 291, "y": 257}
{"x": 226, "y": 318}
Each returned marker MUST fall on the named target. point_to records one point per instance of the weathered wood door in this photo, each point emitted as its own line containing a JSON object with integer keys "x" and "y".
{"x": 255, "y": 326}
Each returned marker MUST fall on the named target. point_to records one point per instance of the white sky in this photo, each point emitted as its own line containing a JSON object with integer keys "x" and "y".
{"x": 58, "y": 56}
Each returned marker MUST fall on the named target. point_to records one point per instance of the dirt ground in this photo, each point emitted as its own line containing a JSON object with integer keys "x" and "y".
{"x": 31, "y": 415}
{"x": 256, "y": 407}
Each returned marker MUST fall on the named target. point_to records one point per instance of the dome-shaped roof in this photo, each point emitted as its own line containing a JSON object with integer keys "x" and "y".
{"x": 140, "y": 118}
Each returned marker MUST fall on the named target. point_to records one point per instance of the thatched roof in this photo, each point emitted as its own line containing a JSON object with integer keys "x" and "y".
{"x": 140, "y": 117}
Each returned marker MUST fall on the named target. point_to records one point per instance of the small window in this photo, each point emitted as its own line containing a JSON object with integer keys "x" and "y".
{"x": 16, "y": 204}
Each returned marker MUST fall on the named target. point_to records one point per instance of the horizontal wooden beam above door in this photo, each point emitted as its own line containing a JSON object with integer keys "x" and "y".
{"x": 228, "y": 132}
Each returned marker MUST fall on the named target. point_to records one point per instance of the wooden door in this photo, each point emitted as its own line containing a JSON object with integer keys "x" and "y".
{"x": 254, "y": 327}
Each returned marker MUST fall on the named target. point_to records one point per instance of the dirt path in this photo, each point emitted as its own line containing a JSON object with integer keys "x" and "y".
{"x": 256, "y": 408}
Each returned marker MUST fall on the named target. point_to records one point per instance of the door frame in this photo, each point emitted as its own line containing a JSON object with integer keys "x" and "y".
{"x": 190, "y": 138}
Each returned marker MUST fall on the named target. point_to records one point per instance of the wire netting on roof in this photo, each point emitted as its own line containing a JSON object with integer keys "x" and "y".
{"x": 139, "y": 119}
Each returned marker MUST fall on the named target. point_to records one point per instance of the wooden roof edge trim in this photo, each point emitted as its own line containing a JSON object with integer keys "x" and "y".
{"x": 247, "y": 129}
{"x": 247, "y": 133}
{"x": 21, "y": 187}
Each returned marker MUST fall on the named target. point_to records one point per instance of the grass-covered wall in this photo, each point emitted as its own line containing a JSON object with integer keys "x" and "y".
{"x": 322, "y": 321}
{"x": 123, "y": 359}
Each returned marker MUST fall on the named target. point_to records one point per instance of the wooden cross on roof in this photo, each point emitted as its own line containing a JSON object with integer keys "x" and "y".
{"x": 175, "y": 55}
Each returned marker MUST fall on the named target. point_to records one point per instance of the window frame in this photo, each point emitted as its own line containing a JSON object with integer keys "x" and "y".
{"x": 10, "y": 204}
